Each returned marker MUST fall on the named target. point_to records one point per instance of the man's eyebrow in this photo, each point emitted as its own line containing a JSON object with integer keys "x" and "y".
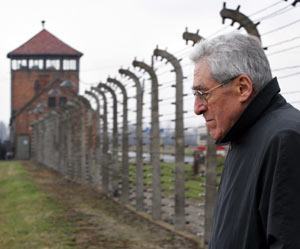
{"x": 201, "y": 88}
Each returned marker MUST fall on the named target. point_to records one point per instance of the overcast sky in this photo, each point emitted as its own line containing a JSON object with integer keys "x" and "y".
{"x": 111, "y": 33}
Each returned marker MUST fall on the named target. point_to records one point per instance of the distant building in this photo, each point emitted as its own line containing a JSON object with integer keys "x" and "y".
{"x": 35, "y": 65}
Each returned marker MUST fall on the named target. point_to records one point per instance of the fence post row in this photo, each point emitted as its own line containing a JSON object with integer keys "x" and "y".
{"x": 77, "y": 125}
{"x": 155, "y": 140}
{"x": 179, "y": 137}
{"x": 94, "y": 147}
{"x": 125, "y": 163}
{"x": 99, "y": 156}
{"x": 75, "y": 138}
{"x": 139, "y": 139}
{"x": 105, "y": 146}
{"x": 89, "y": 138}
{"x": 70, "y": 145}
{"x": 115, "y": 145}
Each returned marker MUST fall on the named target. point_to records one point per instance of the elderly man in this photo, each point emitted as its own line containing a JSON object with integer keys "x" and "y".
{"x": 258, "y": 206}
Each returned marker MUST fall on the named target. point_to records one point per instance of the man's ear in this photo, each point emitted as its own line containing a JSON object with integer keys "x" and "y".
{"x": 245, "y": 88}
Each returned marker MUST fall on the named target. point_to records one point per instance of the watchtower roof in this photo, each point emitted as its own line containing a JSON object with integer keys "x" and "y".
{"x": 42, "y": 44}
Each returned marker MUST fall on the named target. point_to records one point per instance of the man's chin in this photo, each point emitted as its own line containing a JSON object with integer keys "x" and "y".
{"x": 215, "y": 135}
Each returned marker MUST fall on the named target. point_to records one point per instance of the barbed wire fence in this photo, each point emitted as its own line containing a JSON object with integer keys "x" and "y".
{"x": 93, "y": 140}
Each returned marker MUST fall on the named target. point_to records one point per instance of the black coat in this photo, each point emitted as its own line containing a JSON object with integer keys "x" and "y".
{"x": 258, "y": 206}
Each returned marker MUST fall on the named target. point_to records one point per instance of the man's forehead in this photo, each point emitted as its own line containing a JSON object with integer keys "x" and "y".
{"x": 199, "y": 85}
{"x": 202, "y": 76}
{"x": 202, "y": 66}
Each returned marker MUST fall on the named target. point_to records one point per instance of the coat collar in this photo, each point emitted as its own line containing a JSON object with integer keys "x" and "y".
{"x": 253, "y": 111}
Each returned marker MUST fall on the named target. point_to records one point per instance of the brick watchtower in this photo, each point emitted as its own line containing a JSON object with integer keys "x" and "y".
{"x": 34, "y": 65}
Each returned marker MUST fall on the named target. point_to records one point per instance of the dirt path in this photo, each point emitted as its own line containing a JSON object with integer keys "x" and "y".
{"x": 99, "y": 222}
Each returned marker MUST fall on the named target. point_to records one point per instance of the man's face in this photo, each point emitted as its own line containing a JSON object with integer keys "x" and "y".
{"x": 222, "y": 108}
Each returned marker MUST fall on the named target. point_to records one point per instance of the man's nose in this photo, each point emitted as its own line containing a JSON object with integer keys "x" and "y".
{"x": 199, "y": 106}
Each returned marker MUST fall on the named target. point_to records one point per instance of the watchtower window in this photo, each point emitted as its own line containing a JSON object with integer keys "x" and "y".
{"x": 51, "y": 102}
{"x": 36, "y": 64}
{"x": 52, "y": 64}
{"x": 19, "y": 64}
{"x": 69, "y": 65}
{"x": 62, "y": 101}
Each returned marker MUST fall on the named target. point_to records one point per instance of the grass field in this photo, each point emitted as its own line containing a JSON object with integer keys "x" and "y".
{"x": 28, "y": 217}
{"x": 194, "y": 185}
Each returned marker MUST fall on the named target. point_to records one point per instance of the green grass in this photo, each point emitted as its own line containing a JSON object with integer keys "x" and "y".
{"x": 29, "y": 218}
{"x": 194, "y": 185}
{"x": 167, "y": 149}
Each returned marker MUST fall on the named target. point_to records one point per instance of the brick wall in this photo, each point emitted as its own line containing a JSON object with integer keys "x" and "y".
{"x": 23, "y": 90}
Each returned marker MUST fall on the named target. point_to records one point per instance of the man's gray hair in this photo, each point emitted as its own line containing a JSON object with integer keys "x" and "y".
{"x": 233, "y": 54}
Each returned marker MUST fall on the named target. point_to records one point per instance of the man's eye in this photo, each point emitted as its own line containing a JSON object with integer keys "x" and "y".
{"x": 197, "y": 93}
